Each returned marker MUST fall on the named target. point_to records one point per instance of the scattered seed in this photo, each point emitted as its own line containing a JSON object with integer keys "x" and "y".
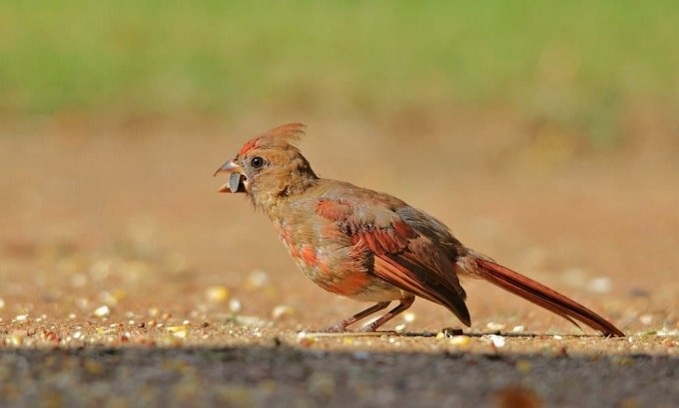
{"x": 459, "y": 341}
{"x": 16, "y": 339}
{"x": 409, "y": 317}
{"x": 153, "y": 312}
{"x": 496, "y": 327}
{"x": 180, "y": 332}
{"x": 217, "y": 294}
{"x": 400, "y": 328}
{"x": 518, "y": 329}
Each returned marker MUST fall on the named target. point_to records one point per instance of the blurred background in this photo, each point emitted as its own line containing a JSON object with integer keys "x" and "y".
{"x": 545, "y": 134}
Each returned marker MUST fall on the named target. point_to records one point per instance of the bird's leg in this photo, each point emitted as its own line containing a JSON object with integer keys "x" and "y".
{"x": 342, "y": 324}
{"x": 402, "y": 306}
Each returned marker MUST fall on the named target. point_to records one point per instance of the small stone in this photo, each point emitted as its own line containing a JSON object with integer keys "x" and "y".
{"x": 497, "y": 341}
{"x": 518, "y": 329}
{"x": 235, "y": 306}
{"x": 217, "y": 294}
{"x": 102, "y": 311}
{"x": 282, "y": 311}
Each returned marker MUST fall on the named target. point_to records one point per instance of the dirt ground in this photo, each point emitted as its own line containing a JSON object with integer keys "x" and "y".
{"x": 126, "y": 280}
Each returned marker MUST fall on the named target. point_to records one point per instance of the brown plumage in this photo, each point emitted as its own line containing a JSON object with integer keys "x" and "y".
{"x": 371, "y": 246}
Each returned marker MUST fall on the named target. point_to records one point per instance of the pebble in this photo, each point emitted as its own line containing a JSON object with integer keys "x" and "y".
{"x": 497, "y": 341}
{"x": 102, "y": 311}
{"x": 282, "y": 311}
{"x": 235, "y": 306}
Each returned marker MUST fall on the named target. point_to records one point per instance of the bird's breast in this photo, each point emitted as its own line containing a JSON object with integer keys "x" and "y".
{"x": 333, "y": 262}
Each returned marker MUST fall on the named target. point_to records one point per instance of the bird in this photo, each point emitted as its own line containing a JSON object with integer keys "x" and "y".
{"x": 371, "y": 246}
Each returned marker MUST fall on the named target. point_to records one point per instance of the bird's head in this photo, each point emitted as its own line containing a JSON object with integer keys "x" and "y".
{"x": 268, "y": 167}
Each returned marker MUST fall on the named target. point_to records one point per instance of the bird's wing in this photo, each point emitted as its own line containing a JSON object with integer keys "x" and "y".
{"x": 404, "y": 242}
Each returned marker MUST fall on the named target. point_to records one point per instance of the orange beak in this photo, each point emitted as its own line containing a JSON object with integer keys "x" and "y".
{"x": 236, "y": 178}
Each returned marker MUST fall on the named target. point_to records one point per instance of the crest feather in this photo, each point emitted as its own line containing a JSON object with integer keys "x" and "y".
{"x": 280, "y": 136}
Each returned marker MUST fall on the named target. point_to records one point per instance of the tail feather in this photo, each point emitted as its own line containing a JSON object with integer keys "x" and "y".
{"x": 543, "y": 296}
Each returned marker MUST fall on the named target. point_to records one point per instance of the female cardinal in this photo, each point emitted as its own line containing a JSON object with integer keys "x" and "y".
{"x": 371, "y": 246}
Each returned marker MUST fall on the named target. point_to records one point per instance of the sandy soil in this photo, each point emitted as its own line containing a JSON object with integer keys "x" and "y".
{"x": 126, "y": 280}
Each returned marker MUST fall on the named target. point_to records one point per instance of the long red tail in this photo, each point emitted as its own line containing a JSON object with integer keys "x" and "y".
{"x": 543, "y": 296}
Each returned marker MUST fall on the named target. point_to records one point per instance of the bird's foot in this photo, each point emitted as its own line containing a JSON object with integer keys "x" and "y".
{"x": 369, "y": 328}
{"x": 339, "y": 327}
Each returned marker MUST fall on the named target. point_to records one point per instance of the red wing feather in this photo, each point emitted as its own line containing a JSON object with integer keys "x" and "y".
{"x": 389, "y": 269}
{"x": 402, "y": 257}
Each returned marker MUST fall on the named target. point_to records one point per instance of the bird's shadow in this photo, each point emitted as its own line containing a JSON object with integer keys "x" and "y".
{"x": 449, "y": 333}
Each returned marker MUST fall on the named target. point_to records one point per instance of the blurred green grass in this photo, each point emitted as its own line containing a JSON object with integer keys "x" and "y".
{"x": 576, "y": 62}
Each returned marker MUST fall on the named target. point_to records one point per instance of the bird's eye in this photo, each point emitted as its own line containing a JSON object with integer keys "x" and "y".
{"x": 257, "y": 162}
